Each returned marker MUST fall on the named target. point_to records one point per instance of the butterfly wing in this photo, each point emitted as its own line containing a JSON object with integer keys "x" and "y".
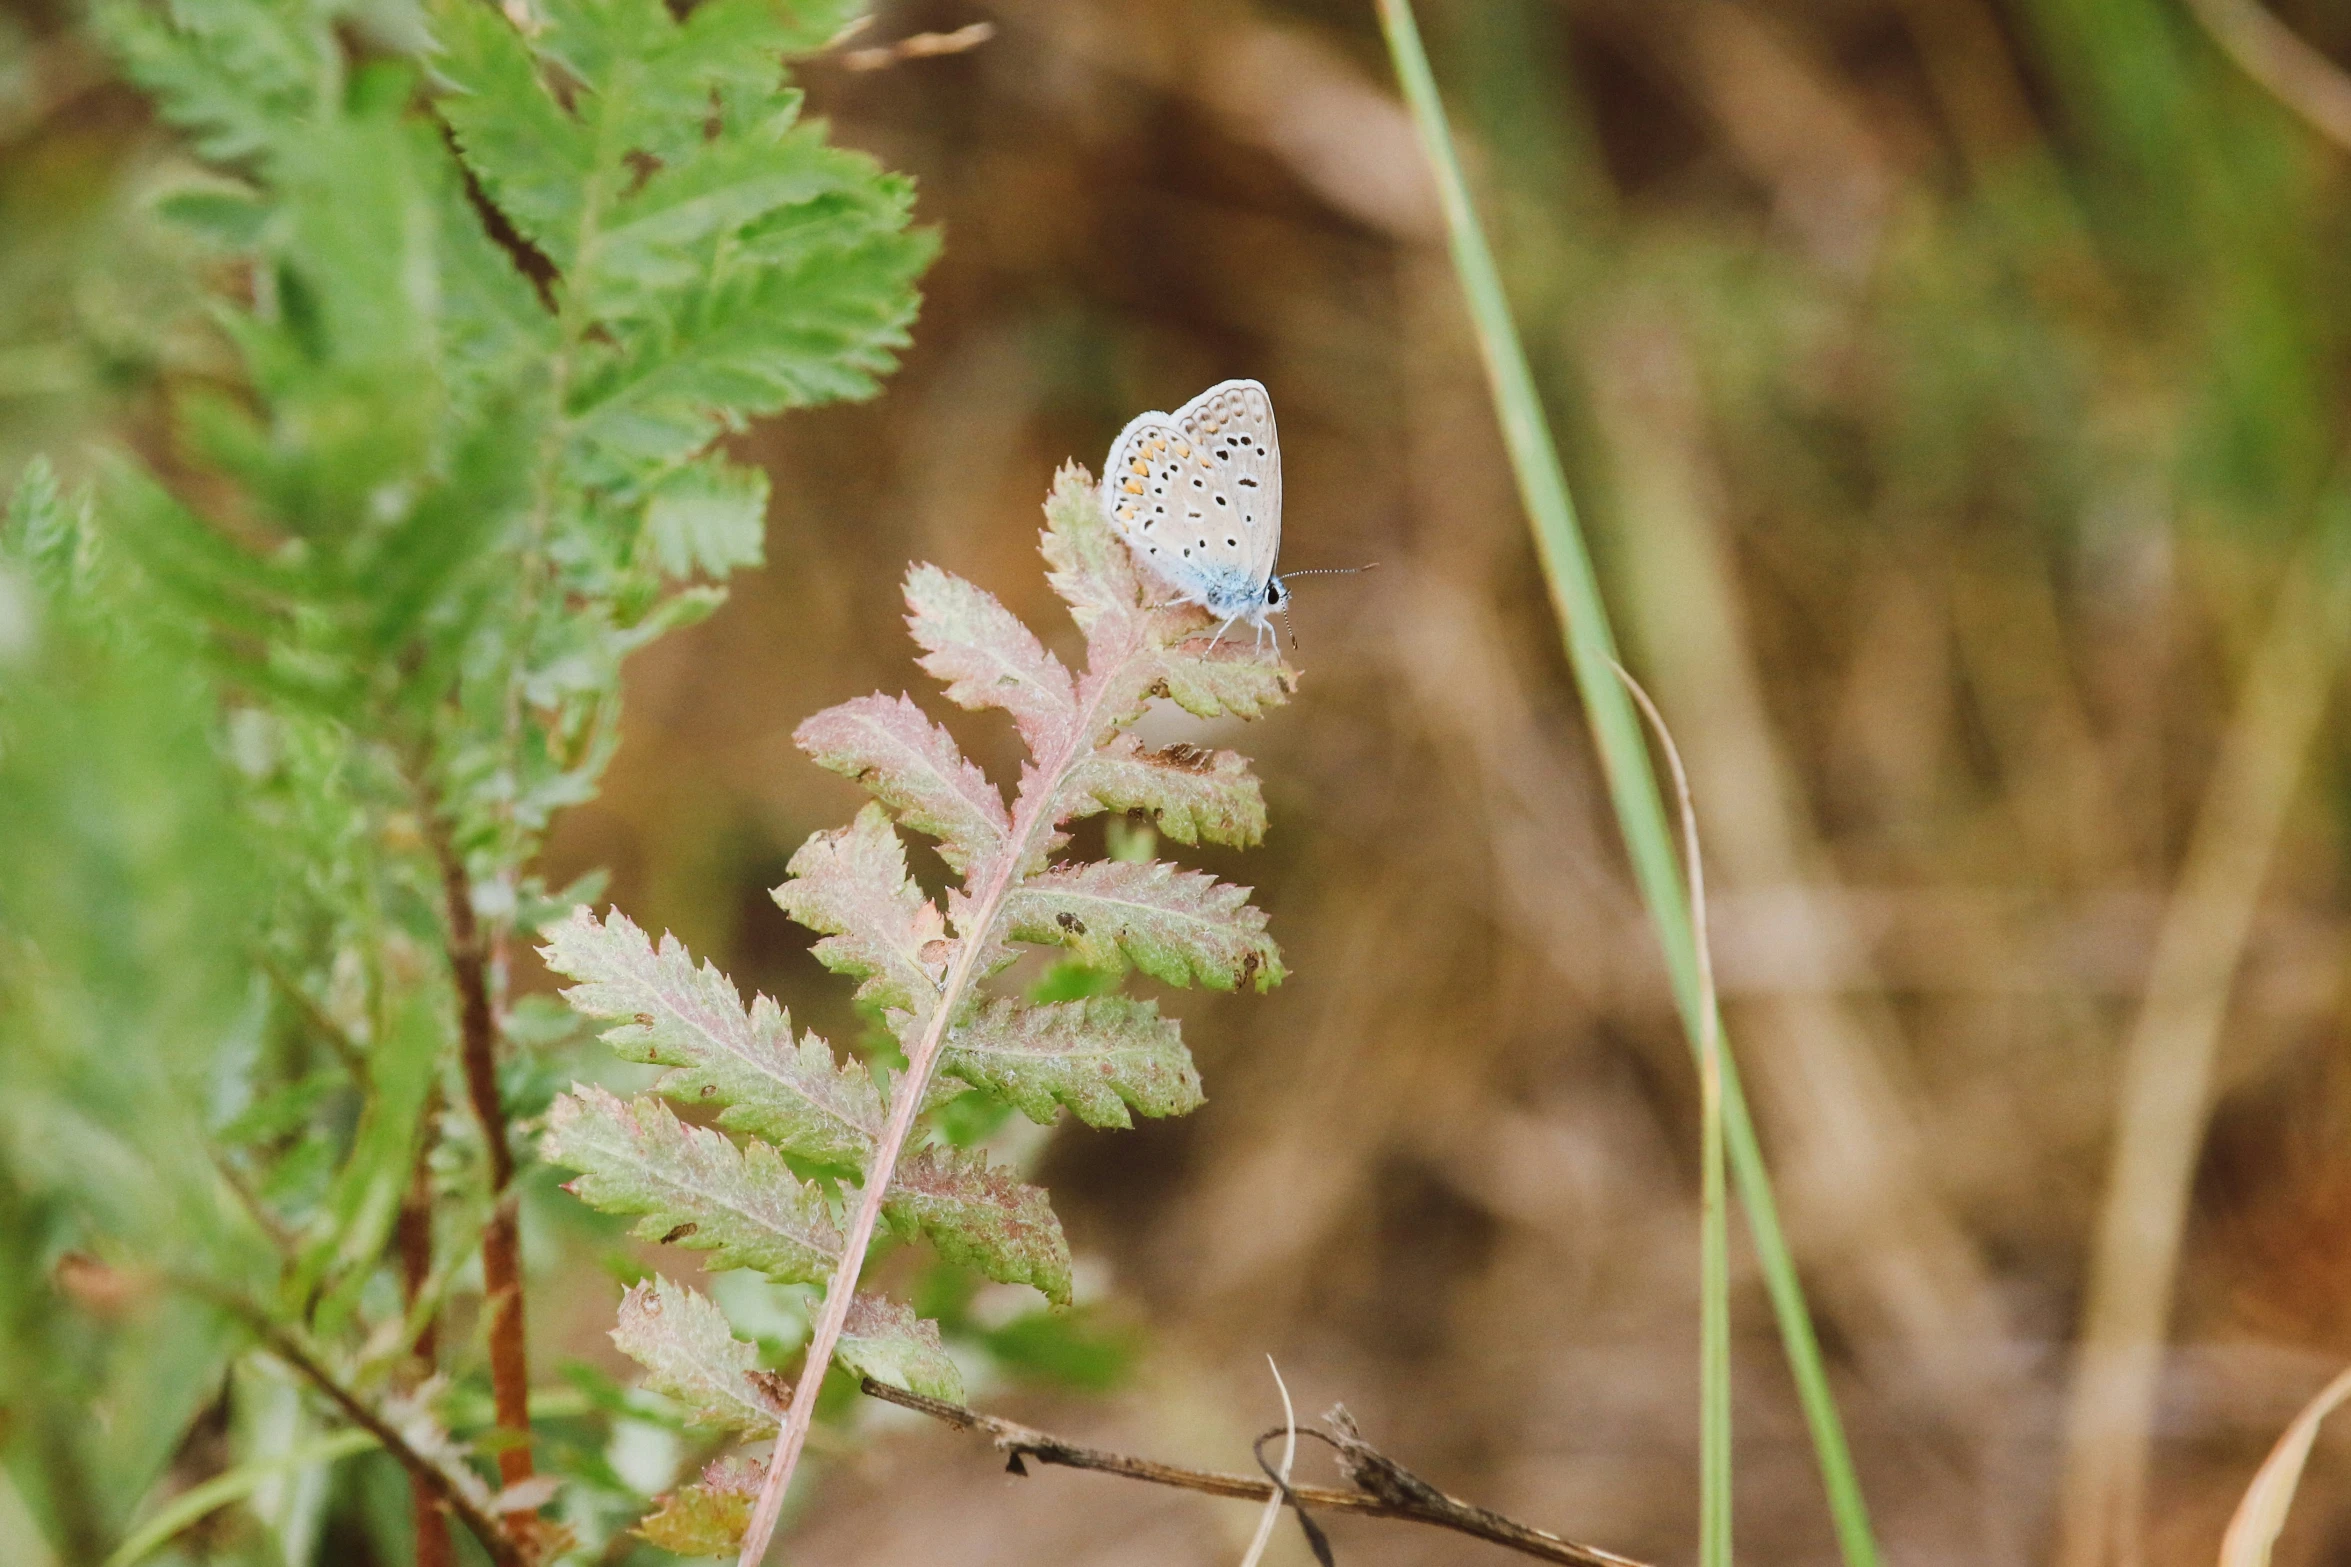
{"x": 1232, "y": 422}
{"x": 1198, "y": 495}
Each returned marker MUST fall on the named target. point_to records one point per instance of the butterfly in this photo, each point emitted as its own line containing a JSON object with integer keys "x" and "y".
{"x": 1198, "y": 496}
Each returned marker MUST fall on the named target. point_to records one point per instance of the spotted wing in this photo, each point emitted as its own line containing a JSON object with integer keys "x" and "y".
{"x": 1232, "y": 422}
{"x": 1198, "y": 493}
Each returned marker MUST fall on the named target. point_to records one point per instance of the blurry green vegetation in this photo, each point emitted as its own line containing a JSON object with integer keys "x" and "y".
{"x": 1951, "y": 384}
{"x": 291, "y": 696}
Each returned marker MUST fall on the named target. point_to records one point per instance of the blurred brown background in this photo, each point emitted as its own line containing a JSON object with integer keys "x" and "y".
{"x": 1947, "y": 385}
{"x": 1954, "y": 390}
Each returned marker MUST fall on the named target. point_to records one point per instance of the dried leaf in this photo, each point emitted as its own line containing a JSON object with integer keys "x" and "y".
{"x": 708, "y": 1517}
{"x": 1098, "y": 1056}
{"x": 987, "y": 658}
{"x": 981, "y": 1217}
{"x": 692, "y": 1185}
{"x": 1180, "y": 926}
{"x": 692, "y": 1019}
{"x": 888, "y": 1342}
{"x": 852, "y": 885}
{"x": 2253, "y": 1531}
{"x": 689, "y": 1352}
{"x": 1190, "y": 792}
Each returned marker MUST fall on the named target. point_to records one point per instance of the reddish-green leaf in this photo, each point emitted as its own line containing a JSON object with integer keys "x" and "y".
{"x": 1183, "y": 927}
{"x": 1098, "y": 1056}
{"x": 980, "y": 1217}
{"x": 852, "y": 885}
{"x": 694, "y": 1187}
{"x": 912, "y": 766}
{"x": 682, "y": 1340}
{"x": 692, "y": 1019}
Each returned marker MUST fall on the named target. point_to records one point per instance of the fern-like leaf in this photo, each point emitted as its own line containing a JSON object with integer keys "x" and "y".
{"x": 914, "y": 768}
{"x": 691, "y": 1019}
{"x": 1102, "y": 1057}
{"x": 982, "y": 1217}
{"x": 852, "y": 886}
{"x": 1190, "y": 793}
{"x": 1180, "y": 926}
{"x": 888, "y": 1342}
{"x": 926, "y": 965}
{"x": 689, "y": 1353}
{"x": 708, "y": 1517}
{"x": 693, "y": 1186}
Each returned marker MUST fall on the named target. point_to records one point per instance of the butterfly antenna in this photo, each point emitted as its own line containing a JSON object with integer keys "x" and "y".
{"x": 1333, "y": 571}
{"x": 1284, "y": 612}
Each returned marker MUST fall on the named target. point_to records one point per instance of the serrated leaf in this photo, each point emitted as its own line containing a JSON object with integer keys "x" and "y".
{"x": 851, "y": 885}
{"x": 981, "y": 1217}
{"x": 1225, "y": 681}
{"x": 1087, "y": 565}
{"x": 987, "y": 658}
{"x": 535, "y": 161}
{"x": 710, "y": 517}
{"x": 1180, "y": 926}
{"x": 888, "y": 1342}
{"x": 912, "y": 766}
{"x": 1099, "y": 1056}
{"x": 708, "y": 1517}
{"x": 692, "y": 1019}
{"x": 1191, "y": 793}
{"x": 690, "y": 1353}
{"x": 693, "y": 1186}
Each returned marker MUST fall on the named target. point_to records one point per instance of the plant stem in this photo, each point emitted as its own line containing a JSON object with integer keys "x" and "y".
{"x": 1632, "y": 786}
{"x": 1032, "y": 820}
{"x": 510, "y": 1376}
{"x": 414, "y": 1234}
{"x": 1714, "y": 1267}
{"x": 1425, "y": 1503}
{"x": 2168, "y": 1059}
{"x": 501, "y": 1547}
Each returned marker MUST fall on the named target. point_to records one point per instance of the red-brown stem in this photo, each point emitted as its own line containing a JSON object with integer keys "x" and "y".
{"x": 510, "y": 1376}
{"x": 429, "y": 1523}
{"x": 1032, "y": 819}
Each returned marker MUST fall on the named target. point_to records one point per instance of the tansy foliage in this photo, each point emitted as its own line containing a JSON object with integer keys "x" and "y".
{"x": 285, "y": 712}
{"x": 756, "y": 1189}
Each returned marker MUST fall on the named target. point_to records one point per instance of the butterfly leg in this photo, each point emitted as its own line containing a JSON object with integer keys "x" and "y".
{"x": 1220, "y": 631}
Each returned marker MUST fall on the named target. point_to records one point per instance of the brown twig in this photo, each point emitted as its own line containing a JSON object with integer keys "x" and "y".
{"x": 920, "y": 46}
{"x": 1383, "y": 1488}
{"x": 503, "y": 1548}
{"x": 434, "y": 1547}
{"x": 510, "y": 1378}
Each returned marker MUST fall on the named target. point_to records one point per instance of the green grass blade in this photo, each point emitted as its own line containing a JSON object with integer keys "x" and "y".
{"x": 1632, "y": 786}
{"x": 190, "y": 1505}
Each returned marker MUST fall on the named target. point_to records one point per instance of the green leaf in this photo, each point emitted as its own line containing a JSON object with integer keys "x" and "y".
{"x": 912, "y": 766}
{"x": 852, "y": 886}
{"x": 690, "y": 1353}
{"x": 1098, "y": 1056}
{"x": 692, "y": 1019}
{"x": 708, "y": 1517}
{"x": 888, "y": 1342}
{"x": 1190, "y": 792}
{"x": 536, "y": 162}
{"x": 1179, "y": 926}
{"x": 357, "y": 1220}
{"x": 980, "y": 1217}
{"x": 693, "y": 1187}
{"x": 710, "y": 517}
